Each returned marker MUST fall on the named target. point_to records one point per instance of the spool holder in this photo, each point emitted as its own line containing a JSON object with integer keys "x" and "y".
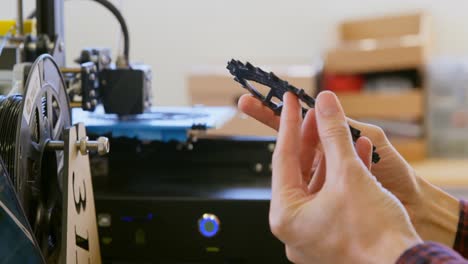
{"x": 80, "y": 240}
{"x": 101, "y": 145}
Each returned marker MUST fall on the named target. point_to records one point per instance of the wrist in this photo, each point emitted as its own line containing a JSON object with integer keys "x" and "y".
{"x": 389, "y": 247}
{"x": 437, "y": 217}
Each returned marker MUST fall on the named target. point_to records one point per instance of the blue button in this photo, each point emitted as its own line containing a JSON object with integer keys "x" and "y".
{"x": 208, "y": 225}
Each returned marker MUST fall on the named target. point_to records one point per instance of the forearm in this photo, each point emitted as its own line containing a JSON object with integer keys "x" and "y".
{"x": 439, "y": 216}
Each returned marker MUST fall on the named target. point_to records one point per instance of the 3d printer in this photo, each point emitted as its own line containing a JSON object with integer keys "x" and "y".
{"x": 166, "y": 193}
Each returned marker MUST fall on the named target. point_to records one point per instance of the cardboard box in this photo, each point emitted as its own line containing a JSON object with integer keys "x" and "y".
{"x": 243, "y": 125}
{"x": 445, "y": 173}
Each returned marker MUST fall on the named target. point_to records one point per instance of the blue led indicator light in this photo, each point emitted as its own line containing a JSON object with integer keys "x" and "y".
{"x": 208, "y": 225}
{"x": 127, "y": 219}
{"x": 150, "y": 216}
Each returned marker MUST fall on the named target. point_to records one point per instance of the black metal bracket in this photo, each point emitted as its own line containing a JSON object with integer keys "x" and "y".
{"x": 50, "y": 29}
{"x": 243, "y": 73}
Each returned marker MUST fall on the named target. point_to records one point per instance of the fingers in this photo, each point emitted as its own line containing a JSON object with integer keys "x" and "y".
{"x": 286, "y": 185}
{"x": 286, "y": 159}
{"x": 333, "y": 130}
{"x": 309, "y": 142}
{"x": 294, "y": 255}
{"x": 254, "y": 108}
{"x": 374, "y": 133}
{"x": 364, "y": 151}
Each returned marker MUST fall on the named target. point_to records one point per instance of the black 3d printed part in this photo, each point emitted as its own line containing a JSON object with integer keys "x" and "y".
{"x": 243, "y": 73}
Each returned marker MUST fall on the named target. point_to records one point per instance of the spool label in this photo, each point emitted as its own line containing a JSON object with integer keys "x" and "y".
{"x": 34, "y": 86}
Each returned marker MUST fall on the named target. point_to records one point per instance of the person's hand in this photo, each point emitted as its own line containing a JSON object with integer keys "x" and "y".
{"x": 433, "y": 212}
{"x": 344, "y": 217}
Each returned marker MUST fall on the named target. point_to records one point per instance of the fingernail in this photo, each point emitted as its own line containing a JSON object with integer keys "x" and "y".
{"x": 327, "y": 104}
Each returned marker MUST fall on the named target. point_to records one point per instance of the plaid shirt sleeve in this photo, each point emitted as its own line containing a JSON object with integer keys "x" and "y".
{"x": 461, "y": 239}
{"x": 430, "y": 253}
{"x": 433, "y": 253}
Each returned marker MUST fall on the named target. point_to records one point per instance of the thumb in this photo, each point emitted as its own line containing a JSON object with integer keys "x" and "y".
{"x": 333, "y": 130}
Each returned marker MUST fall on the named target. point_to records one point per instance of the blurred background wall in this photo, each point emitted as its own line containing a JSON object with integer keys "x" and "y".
{"x": 173, "y": 35}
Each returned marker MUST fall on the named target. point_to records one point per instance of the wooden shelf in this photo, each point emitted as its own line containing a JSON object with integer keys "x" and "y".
{"x": 411, "y": 149}
{"x": 381, "y": 44}
{"x": 381, "y": 58}
{"x": 404, "y": 105}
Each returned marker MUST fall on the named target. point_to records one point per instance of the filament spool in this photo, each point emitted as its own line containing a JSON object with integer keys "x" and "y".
{"x": 27, "y": 123}
{"x": 9, "y": 113}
